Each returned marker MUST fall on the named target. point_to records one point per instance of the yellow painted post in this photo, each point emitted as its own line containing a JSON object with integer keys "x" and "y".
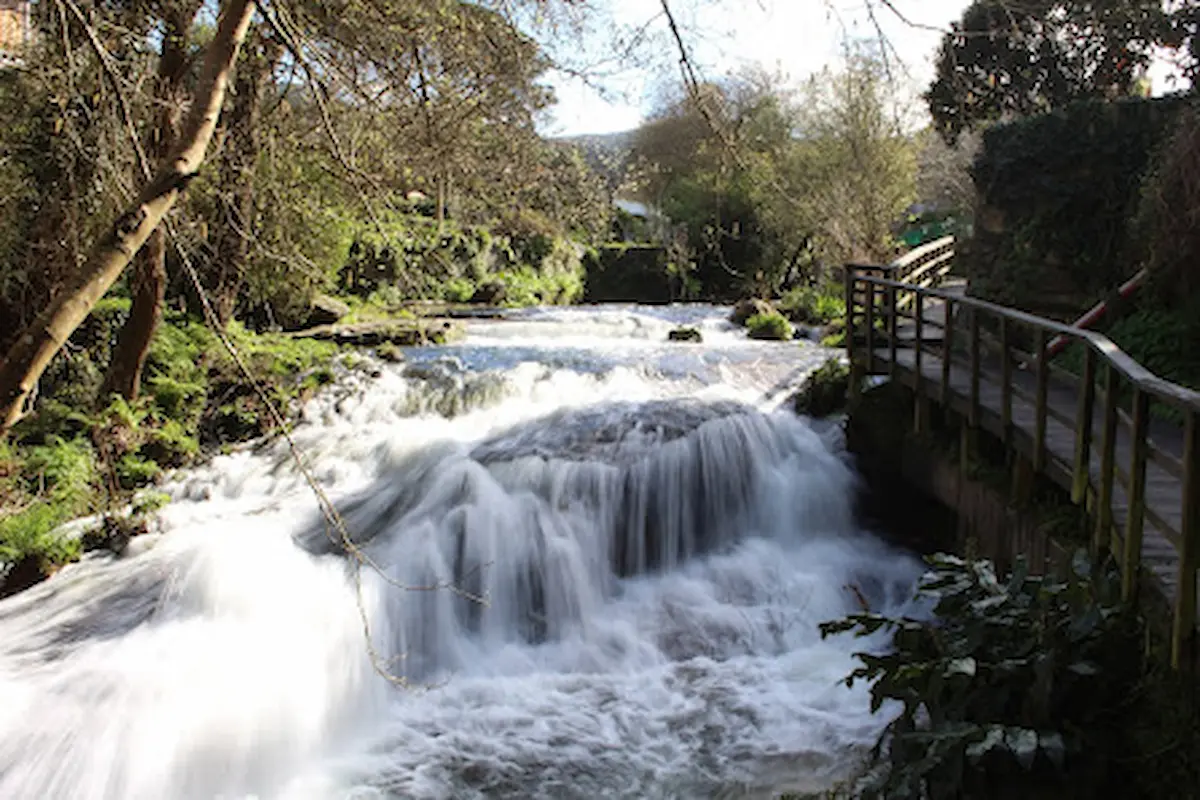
{"x": 1108, "y": 465}
{"x": 1083, "y": 428}
{"x": 1131, "y": 562}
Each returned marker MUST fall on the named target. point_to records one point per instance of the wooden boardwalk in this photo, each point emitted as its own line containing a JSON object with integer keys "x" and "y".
{"x": 1092, "y": 433}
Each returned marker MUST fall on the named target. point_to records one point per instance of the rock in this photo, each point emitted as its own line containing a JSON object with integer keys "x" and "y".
{"x": 824, "y": 391}
{"x": 325, "y": 310}
{"x": 746, "y": 309}
{"x": 388, "y": 351}
{"x": 401, "y": 333}
{"x": 491, "y": 293}
{"x": 685, "y": 335}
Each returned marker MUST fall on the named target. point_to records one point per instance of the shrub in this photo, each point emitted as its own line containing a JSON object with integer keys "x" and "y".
{"x": 824, "y": 391}
{"x": 769, "y": 326}
{"x": 813, "y": 306}
{"x": 1009, "y": 684}
{"x": 458, "y": 290}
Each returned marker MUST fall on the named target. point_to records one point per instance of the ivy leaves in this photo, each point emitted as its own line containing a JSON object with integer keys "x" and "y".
{"x": 1002, "y": 685}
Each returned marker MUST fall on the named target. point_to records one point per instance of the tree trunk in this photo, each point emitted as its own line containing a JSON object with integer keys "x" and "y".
{"x": 150, "y": 268}
{"x": 243, "y": 145}
{"x": 29, "y": 356}
{"x": 149, "y": 287}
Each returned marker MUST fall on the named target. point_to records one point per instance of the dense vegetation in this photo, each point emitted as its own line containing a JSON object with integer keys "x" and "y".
{"x": 1021, "y": 685}
{"x": 425, "y": 181}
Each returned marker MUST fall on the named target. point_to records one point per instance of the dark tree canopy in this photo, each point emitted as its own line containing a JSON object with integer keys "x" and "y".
{"x": 1019, "y": 57}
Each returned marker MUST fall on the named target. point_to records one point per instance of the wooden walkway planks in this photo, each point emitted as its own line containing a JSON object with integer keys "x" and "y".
{"x": 1140, "y": 478}
{"x": 1163, "y": 491}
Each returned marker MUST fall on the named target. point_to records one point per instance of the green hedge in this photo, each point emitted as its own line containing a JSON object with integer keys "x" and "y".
{"x": 1057, "y": 194}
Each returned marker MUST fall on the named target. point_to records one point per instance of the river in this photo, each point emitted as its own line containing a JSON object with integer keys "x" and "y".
{"x": 598, "y": 560}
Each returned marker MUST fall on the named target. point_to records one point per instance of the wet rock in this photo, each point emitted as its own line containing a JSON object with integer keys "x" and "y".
{"x": 326, "y": 311}
{"x": 685, "y": 335}
{"x": 751, "y": 307}
{"x": 390, "y": 352}
{"x": 403, "y": 333}
{"x": 491, "y": 294}
{"x": 824, "y": 391}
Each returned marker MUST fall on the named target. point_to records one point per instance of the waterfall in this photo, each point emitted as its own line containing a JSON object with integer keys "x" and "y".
{"x": 598, "y": 560}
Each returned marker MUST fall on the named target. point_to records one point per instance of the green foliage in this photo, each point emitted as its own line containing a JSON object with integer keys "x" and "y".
{"x": 769, "y": 326}
{"x": 1004, "y": 58}
{"x": 1057, "y": 193}
{"x": 458, "y": 290}
{"x": 48, "y": 485}
{"x": 824, "y": 391}
{"x": 525, "y": 287}
{"x": 787, "y": 186}
{"x": 1009, "y": 687}
{"x": 813, "y": 305}
{"x": 1159, "y": 338}
{"x": 1167, "y": 239}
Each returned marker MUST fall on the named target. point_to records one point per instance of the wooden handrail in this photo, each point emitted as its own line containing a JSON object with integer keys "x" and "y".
{"x": 1172, "y": 393}
{"x": 1129, "y": 480}
{"x": 919, "y": 253}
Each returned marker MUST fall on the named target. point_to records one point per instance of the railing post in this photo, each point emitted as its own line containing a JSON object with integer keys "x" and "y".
{"x": 892, "y": 323}
{"x": 1083, "y": 428}
{"x": 918, "y": 376}
{"x": 973, "y": 417}
{"x": 1134, "y": 523}
{"x": 947, "y": 349}
{"x": 1006, "y": 394}
{"x": 1108, "y": 465}
{"x": 849, "y": 275}
{"x": 1184, "y": 633}
{"x": 869, "y": 321}
{"x": 1043, "y": 388}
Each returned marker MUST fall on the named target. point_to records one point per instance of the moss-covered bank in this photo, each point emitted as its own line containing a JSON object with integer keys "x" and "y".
{"x": 79, "y": 454}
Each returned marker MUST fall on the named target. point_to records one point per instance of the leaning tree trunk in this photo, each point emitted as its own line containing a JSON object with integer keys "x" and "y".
{"x": 243, "y": 145}
{"x": 29, "y": 356}
{"x": 150, "y": 268}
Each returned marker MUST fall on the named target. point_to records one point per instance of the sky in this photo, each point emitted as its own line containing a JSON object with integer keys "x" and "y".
{"x": 793, "y": 37}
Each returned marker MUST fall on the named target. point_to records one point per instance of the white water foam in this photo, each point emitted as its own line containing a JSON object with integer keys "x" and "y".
{"x": 655, "y": 546}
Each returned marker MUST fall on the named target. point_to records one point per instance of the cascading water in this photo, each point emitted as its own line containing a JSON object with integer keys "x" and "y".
{"x": 601, "y": 564}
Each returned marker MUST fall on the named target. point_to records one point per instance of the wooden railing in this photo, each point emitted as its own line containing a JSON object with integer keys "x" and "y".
{"x": 925, "y": 266}
{"x": 982, "y": 365}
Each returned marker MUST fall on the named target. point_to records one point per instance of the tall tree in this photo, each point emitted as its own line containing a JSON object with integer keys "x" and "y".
{"x": 226, "y": 271}
{"x": 29, "y": 356}
{"x": 1019, "y": 57}
{"x": 149, "y": 278}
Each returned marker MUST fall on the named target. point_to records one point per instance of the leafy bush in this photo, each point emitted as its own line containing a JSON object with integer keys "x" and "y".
{"x": 769, "y": 326}
{"x": 1056, "y": 194}
{"x": 813, "y": 306}
{"x": 824, "y": 391}
{"x": 458, "y": 290}
{"x": 1009, "y": 684}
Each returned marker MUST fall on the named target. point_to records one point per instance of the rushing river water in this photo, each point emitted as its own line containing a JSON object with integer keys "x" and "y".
{"x": 600, "y": 559}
